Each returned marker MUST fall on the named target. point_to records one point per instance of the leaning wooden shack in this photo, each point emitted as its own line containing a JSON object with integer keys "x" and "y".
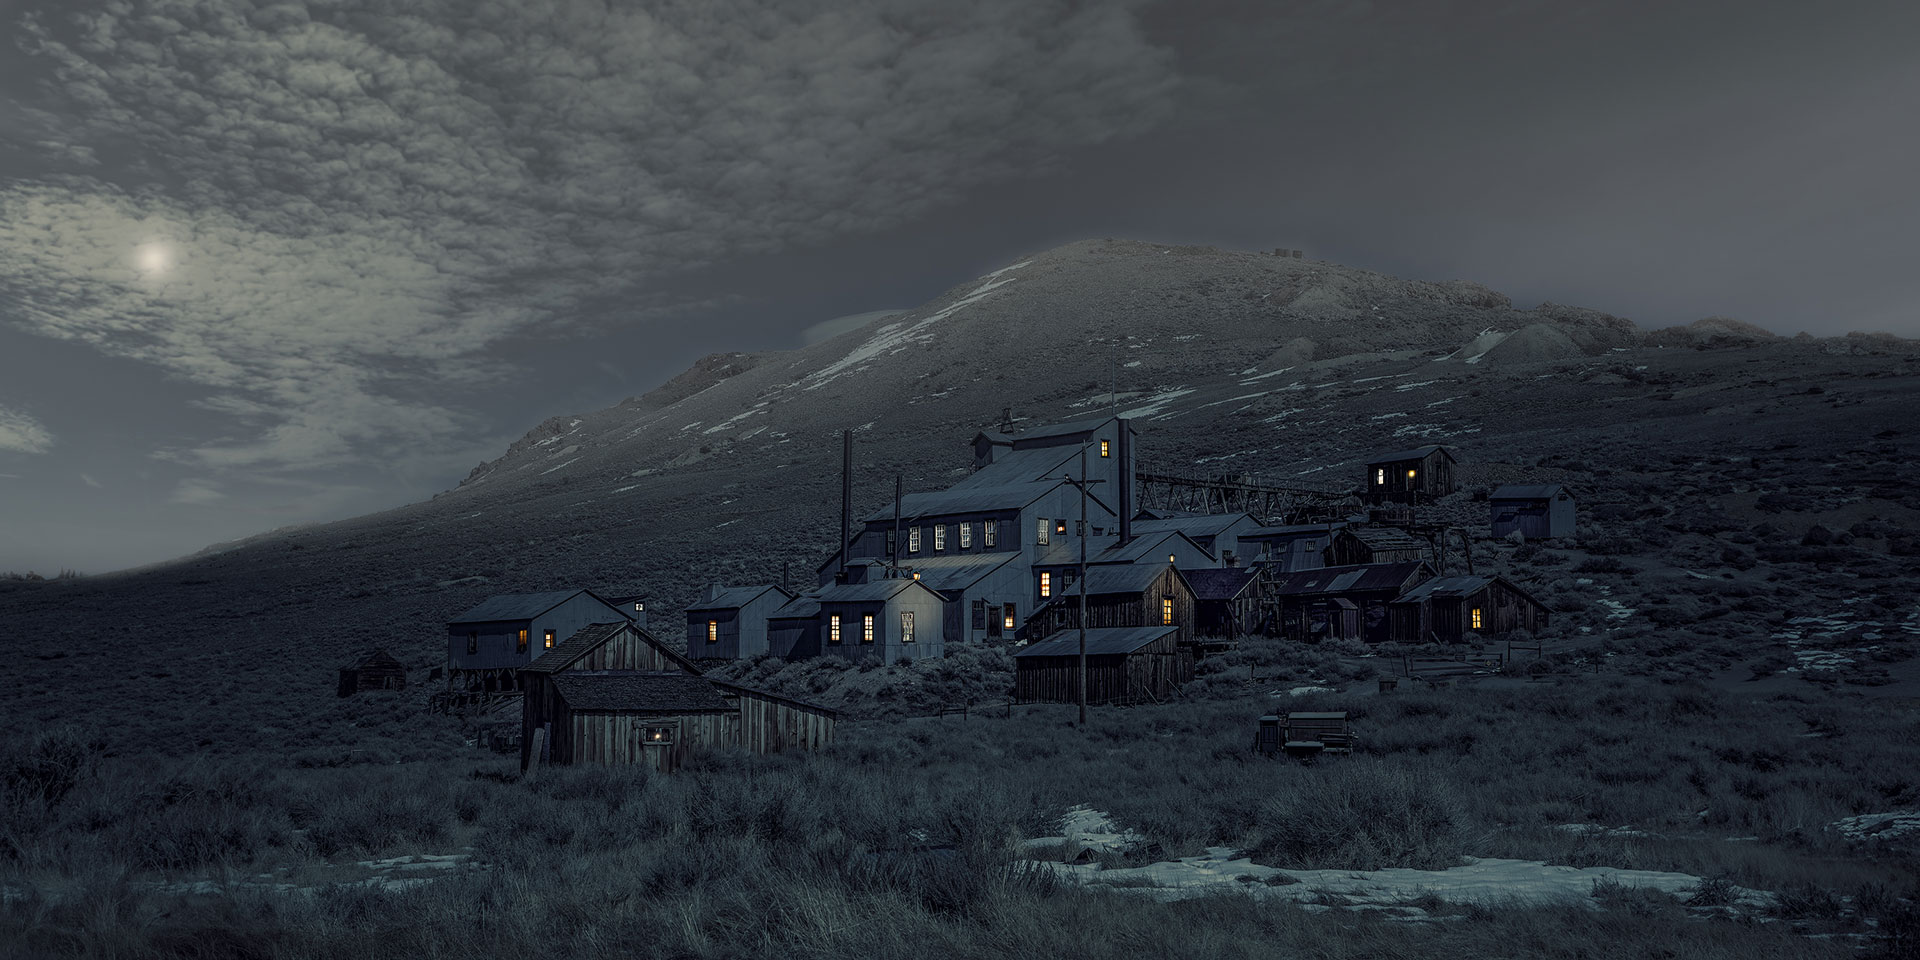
{"x": 375, "y": 670}
{"x": 1124, "y": 665}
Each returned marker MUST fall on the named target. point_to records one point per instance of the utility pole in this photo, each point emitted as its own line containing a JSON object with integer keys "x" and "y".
{"x": 1081, "y": 484}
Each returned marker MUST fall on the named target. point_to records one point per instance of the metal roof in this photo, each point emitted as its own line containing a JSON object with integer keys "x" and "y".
{"x": 375, "y": 659}
{"x": 515, "y": 606}
{"x": 640, "y": 692}
{"x": 960, "y": 571}
{"x": 1119, "y": 578}
{"x": 872, "y": 591}
{"x": 1100, "y": 641}
{"x": 569, "y": 651}
{"x": 1020, "y": 466}
{"x": 1222, "y": 583}
{"x": 1140, "y": 548}
{"x": 802, "y": 607}
{"x": 973, "y": 499}
{"x": 733, "y": 598}
{"x": 1417, "y": 453}
{"x": 1294, "y": 531}
{"x": 1452, "y": 587}
{"x": 1205, "y": 525}
{"x": 1386, "y": 538}
{"x": 1527, "y": 491}
{"x": 1348, "y": 579}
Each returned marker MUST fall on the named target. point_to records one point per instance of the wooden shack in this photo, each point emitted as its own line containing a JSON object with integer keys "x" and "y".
{"x": 1124, "y": 665}
{"x": 730, "y": 623}
{"x": 1226, "y": 602}
{"x": 1446, "y": 609}
{"x": 374, "y": 670}
{"x": 1357, "y": 545}
{"x": 1124, "y": 595}
{"x": 1418, "y": 475}
{"x": 614, "y": 694}
{"x": 488, "y": 644}
{"x": 1539, "y": 511}
{"x": 1339, "y": 602}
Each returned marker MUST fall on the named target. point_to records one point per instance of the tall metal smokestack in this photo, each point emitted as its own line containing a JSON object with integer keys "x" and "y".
{"x": 1125, "y": 494}
{"x": 893, "y": 556}
{"x": 846, "y": 500}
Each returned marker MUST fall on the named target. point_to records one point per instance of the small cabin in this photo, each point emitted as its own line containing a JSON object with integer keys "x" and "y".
{"x": 1542, "y": 511}
{"x": 1226, "y": 602}
{"x": 375, "y": 670}
{"x": 1124, "y": 665}
{"x": 730, "y": 623}
{"x": 1124, "y": 595}
{"x": 894, "y": 619}
{"x": 1419, "y": 475}
{"x": 1357, "y": 545}
{"x": 1285, "y": 549}
{"x": 1340, "y": 602}
{"x": 1446, "y": 609}
{"x": 490, "y": 642}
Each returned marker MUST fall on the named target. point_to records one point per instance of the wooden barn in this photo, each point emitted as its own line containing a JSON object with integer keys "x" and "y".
{"x": 1124, "y": 665}
{"x": 1540, "y": 511}
{"x": 613, "y": 694}
{"x": 1418, "y": 475}
{"x": 1124, "y": 595}
{"x": 489, "y": 643}
{"x": 376, "y": 670}
{"x": 1341, "y": 602}
{"x": 1226, "y": 602}
{"x": 1357, "y": 545}
{"x": 730, "y": 623}
{"x": 1445, "y": 609}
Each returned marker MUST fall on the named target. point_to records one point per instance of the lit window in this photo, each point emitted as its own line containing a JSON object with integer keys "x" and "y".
{"x": 1046, "y": 584}
{"x": 1103, "y": 448}
{"x": 1410, "y": 474}
{"x": 546, "y": 640}
{"x": 913, "y": 539}
{"x": 520, "y": 642}
{"x": 866, "y": 628}
{"x": 906, "y": 626}
{"x": 1166, "y": 613}
{"x": 1476, "y": 618}
{"x": 1170, "y": 558}
{"x": 966, "y": 535}
{"x": 662, "y": 735}
{"x": 833, "y": 628}
{"x": 1040, "y": 534}
{"x": 639, "y": 608}
{"x": 988, "y": 532}
{"x": 1059, "y": 526}
{"x": 1009, "y": 616}
{"x": 939, "y": 536}
{"x": 1380, "y": 477}
{"x": 713, "y": 631}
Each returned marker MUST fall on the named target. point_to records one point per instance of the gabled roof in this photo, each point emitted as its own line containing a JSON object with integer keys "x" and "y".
{"x": 1205, "y": 525}
{"x": 1146, "y": 547}
{"x": 1295, "y": 531}
{"x": 873, "y": 591}
{"x": 1221, "y": 583}
{"x": 1050, "y": 430}
{"x": 518, "y": 606}
{"x": 640, "y": 692}
{"x": 960, "y": 571}
{"x": 1100, "y": 641}
{"x": 1120, "y": 578}
{"x": 1528, "y": 491}
{"x": 1348, "y": 579}
{"x": 569, "y": 651}
{"x": 732, "y": 598}
{"x": 1455, "y": 588}
{"x": 375, "y": 659}
{"x": 805, "y": 606}
{"x": 1386, "y": 538}
{"x": 726, "y": 687}
{"x": 1417, "y": 453}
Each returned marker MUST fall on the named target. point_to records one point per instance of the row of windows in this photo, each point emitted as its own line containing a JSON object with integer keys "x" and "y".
{"x": 989, "y": 535}
{"x": 1380, "y": 476}
{"x": 519, "y": 641}
{"x": 866, "y": 627}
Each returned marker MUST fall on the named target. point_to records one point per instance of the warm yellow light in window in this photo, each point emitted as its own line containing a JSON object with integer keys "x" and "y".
{"x": 1046, "y": 584}
{"x": 1103, "y": 448}
{"x": 1166, "y": 613}
{"x": 1410, "y": 474}
{"x": 1380, "y": 477}
{"x": 1009, "y": 621}
{"x": 547, "y": 640}
{"x": 713, "y": 631}
{"x": 833, "y": 628}
{"x": 866, "y": 628}
{"x": 1476, "y": 618}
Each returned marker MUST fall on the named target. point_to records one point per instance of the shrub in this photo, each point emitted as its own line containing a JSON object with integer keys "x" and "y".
{"x": 1364, "y": 815}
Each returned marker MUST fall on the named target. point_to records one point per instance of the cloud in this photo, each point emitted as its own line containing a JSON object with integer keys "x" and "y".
{"x": 197, "y": 493}
{"x": 91, "y": 482}
{"x": 355, "y": 206}
{"x": 20, "y": 433}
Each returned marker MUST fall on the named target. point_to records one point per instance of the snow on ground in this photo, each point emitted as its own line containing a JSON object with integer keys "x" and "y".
{"x": 895, "y": 337}
{"x": 1087, "y": 829}
{"x": 1600, "y": 830}
{"x": 1301, "y": 691}
{"x": 1263, "y": 376}
{"x": 1881, "y": 826}
{"x": 1417, "y": 383}
{"x": 561, "y": 466}
{"x": 1156, "y": 403}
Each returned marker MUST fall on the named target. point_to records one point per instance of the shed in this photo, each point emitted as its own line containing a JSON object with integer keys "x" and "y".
{"x": 730, "y": 623}
{"x": 1226, "y": 601}
{"x": 1445, "y": 609}
{"x": 374, "y": 670}
{"x": 489, "y": 642}
{"x": 1354, "y": 545}
{"x": 1418, "y": 475}
{"x": 1124, "y": 665}
{"x": 1347, "y": 601}
{"x": 1539, "y": 511}
{"x": 1124, "y": 595}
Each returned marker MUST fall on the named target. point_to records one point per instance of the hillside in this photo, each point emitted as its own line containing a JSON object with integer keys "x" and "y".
{"x": 1734, "y": 481}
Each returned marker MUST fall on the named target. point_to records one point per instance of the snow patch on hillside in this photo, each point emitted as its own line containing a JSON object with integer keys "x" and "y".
{"x": 1156, "y": 403}
{"x": 895, "y": 337}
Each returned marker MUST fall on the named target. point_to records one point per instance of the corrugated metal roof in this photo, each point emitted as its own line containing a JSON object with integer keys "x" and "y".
{"x": 869, "y": 592}
{"x": 1387, "y": 538}
{"x": 1526, "y": 491}
{"x": 1290, "y": 532}
{"x": 1119, "y": 578}
{"x": 1143, "y": 547}
{"x": 1417, "y": 453}
{"x": 803, "y": 607}
{"x": 515, "y": 606}
{"x": 959, "y": 572}
{"x": 1020, "y": 466}
{"x": 1452, "y": 587}
{"x": 1100, "y": 640}
{"x": 965, "y": 500}
{"x": 640, "y": 692}
{"x": 1223, "y": 583}
{"x": 1355, "y": 577}
{"x": 735, "y": 597}
{"x": 1068, "y": 428}
{"x": 1208, "y": 525}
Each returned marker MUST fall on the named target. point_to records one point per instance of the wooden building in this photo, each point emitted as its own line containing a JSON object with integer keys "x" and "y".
{"x": 730, "y": 623}
{"x": 613, "y": 694}
{"x": 489, "y": 643}
{"x": 1356, "y": 545}
{"x": 1418, "y": 475}
{"x": 1539, "y": 511}
{"x": 793, "y": 631}
{"x": 977, "y": 591}
{"x": 1124, "y": 595}
{"x": 893, "y": 618}
{"x": 1285, "y": 549}
{"x": 1226, "y": 602}
{"x": 1124, "y": 665}
{"x": 1339, "y": 602}
{"x": 1053, "y": 574}
{"x": 1217, "y": 533}
{"x": 1446, "y": 609}
{"x": 375, "y": 670}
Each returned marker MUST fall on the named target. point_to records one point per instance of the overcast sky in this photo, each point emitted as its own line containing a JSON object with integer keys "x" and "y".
{"x": 269, "y": 263}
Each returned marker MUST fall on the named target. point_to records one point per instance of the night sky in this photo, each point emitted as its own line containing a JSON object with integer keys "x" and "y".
{"x": 271, "y": 263}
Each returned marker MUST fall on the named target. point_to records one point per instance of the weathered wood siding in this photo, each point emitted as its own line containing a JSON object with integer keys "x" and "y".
{"x": 1128, "y": 609}
{"x": 770, "y": 725}
{"x": 617, "y": 738}
{"x": 626, "y": 651}
{"x": 1151, "y": 674}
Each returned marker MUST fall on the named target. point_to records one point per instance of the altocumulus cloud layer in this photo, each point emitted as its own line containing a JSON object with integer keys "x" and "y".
{"x": 325, "y": 213}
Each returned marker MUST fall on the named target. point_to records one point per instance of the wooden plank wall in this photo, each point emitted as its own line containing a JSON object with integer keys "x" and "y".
{"x": 769, "y": 726}
{"x": 625, "y": 651}
{"x": 615, "y": 738}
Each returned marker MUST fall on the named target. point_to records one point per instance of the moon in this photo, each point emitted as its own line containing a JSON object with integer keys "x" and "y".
{"x": 153, "y": 258}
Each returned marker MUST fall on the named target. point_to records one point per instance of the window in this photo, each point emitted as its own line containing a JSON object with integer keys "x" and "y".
{"x": 546, "y": 640}
{"x": 1166, "y": 612}
{"x": 833, "y": 628}
{"x": 520, "y": 643}
{"x": 1380, "y": 477}
{"x": 1079, "y": 528}
{"x": 1059, "y": 526}
{"x": 939, "y": 536}
{"x": 866, "y": 628}
{"x": 1046, "y": 584}
{"x": 1410, "y": 474}
{"x": 966, "y": 535}
{"x": 906, "y": 626}
{"x": 987, "y": 532}
{"x": 639, "y": 608}
{"x": 658, "y": 735}
{"x": 979, "y": 614}
{"x": 993, "y": 622}
{"x": 913, "y": 539}
{"x": 1103, "y": 448}
{"x": 713, "y": 631}
{"x": 473, "y": 642}
{"x": 1008, "y": 610}
{"x": 1042, "y": 531}
{"x": 893, "y": 545}
{"x": 1476, "y": 618}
